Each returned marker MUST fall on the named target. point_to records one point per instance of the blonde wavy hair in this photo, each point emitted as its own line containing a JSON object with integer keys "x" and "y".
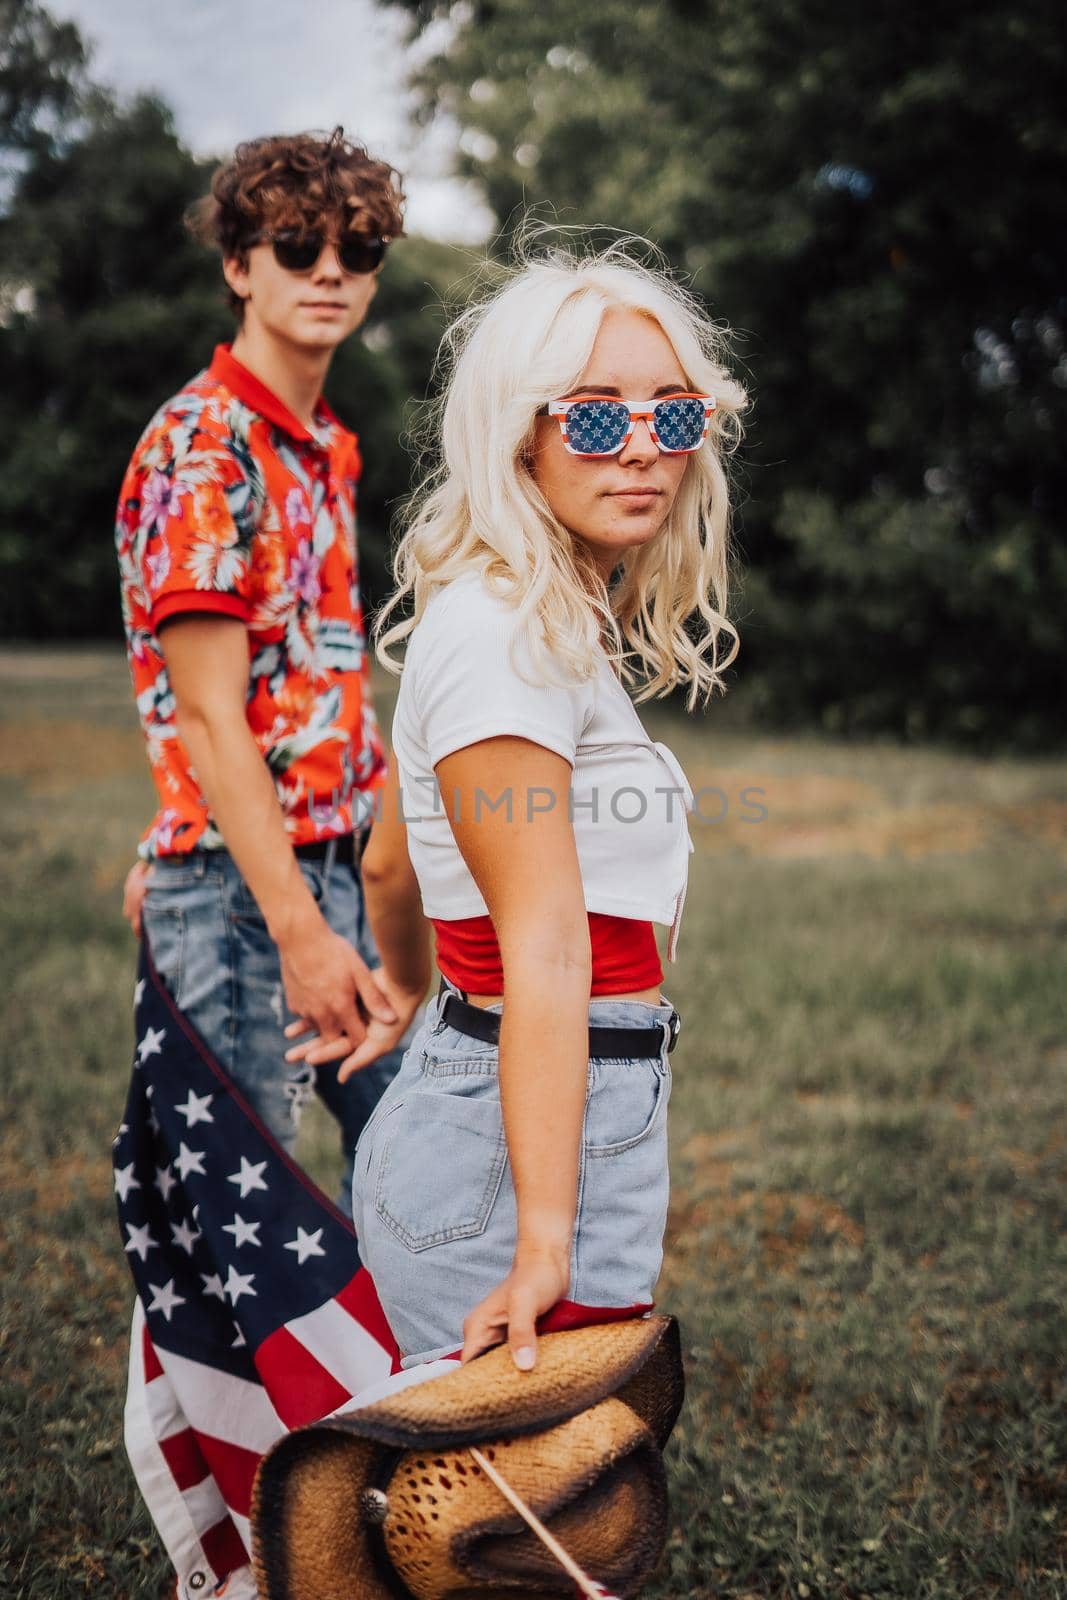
{"x": 662, "y": 619}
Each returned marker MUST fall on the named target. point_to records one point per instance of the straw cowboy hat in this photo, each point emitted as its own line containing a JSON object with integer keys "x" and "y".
{"x": 390, "y": 1501}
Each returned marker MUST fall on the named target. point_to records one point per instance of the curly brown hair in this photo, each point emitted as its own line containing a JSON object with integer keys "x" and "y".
{"x": 297, "y": 180}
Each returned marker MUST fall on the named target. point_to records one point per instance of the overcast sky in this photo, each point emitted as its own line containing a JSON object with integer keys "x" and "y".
{"x": 230, "y": 69}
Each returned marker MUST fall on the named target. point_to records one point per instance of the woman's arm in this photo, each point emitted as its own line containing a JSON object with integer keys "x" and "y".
{"x": 526, "y": 866}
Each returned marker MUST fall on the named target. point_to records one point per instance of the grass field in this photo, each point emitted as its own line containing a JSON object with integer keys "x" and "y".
{"x": 867, "y": 1248}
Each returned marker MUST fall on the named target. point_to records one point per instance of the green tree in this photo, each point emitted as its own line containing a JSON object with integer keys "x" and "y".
{"x": 42, "y": 76}
{"x": 874, "y": 199}
{"x": 116, "y": 298}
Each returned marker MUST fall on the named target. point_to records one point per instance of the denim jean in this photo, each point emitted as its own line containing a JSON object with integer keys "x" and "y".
{"x": 433, "y": 1199}
{"x": 211, "y": 947}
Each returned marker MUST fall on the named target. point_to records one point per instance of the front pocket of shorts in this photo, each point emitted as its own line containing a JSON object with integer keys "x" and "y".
{"x": 441, "y": 1061}
{"x": 244, "y": 907}
{"x": 441, "y": 1165}
{"x": 163, "y": 876}
{"x": 626, "y": 1102}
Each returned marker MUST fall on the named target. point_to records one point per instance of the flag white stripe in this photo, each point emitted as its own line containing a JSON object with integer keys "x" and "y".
{"x": 397, "y": 1381}
{"x": 217, "y": 1403}
{"x": 205, "y": 1503}
{"x": 244, "y": 1528}
{"x": 164, "y": 1408}
{"x": 341, "y": 1345}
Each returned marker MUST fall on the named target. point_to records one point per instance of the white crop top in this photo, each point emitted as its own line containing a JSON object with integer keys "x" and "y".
{"x": 629, "y": 797}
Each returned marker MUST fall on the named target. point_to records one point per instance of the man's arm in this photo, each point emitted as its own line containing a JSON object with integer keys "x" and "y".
{"x": 401, "y": 932}
{"x": 391, "y": 893}
{"x": 207, "y": 665}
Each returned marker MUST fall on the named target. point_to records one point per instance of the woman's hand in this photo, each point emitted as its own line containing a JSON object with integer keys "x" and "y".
{"x": 380, "y": 1036}
{"x": 540, "y": 1275}
{"x": 133, "y": 892}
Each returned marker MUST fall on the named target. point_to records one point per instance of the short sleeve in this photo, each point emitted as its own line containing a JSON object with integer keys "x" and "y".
{"x": 195, "y": 529}
{"x": 468, "y": 685}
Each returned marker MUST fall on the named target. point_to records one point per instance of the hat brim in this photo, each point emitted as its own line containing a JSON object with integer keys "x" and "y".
{"x": 638, "y": 1359}
{"x": 307, "y": 1531}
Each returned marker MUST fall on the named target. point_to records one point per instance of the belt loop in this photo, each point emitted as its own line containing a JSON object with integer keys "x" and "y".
{"x": 672, "y": 1027}
{"x": 328, "y": 863}
{"x": 361, "y": 837}
{"x": 439, "y": 1000}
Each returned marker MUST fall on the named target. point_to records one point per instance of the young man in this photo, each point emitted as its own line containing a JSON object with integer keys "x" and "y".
{"x": 236, "y": 543}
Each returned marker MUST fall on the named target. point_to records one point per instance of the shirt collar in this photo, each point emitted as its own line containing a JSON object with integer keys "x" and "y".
{"x": 327, "y": 433}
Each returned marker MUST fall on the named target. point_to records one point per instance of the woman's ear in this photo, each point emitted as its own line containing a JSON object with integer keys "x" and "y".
{"x": 529, "y": 450}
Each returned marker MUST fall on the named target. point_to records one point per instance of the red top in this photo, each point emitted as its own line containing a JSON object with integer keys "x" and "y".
{"x": 232, "y": 507}
{"x": 624, "y": 954}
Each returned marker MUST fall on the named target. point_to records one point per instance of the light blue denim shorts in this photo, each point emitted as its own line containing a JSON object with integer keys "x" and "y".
{"x": 432, "y": 1195}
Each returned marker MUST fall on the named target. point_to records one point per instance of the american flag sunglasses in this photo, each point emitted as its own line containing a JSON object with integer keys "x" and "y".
{"x": 596, "y": 425}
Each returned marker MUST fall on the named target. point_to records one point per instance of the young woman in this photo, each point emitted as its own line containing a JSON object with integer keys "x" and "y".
{"x": 573, "y": 541}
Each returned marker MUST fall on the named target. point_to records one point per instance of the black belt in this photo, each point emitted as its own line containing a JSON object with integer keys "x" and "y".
{"x": 344, "y": 848}
{"x": 623, "y": 1043}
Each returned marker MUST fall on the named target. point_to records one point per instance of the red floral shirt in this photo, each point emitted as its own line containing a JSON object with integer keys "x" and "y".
{"x": 231, "y": 506}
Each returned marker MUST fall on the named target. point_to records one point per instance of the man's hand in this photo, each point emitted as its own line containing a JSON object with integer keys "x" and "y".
{"x": 540, "y": 1275}
{"x": 325, "y": 982}
{"x": 133, "y": 892}
{"x": 380, "y": 1036}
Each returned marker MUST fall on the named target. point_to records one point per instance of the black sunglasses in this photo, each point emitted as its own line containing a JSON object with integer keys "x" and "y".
{"x": 298, "y": 251}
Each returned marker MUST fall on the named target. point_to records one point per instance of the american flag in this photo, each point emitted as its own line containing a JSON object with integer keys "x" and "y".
{"x": 253, "y": 1314}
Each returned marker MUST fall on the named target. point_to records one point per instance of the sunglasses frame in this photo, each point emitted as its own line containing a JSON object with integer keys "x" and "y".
{"x": 283, "y": 236}
{"x": 640, "y": 411}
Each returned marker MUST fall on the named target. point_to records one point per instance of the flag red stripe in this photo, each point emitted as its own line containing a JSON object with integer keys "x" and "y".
{"x": 152, "y": 1367}
{"x": 569, "y": 1314}
{"x": 300, "y": 1388}
{"x": 233, "y": 1468}
{"x": 224, "y": 1548}
{"x": 184, "y": 1458}
{"x": 359, "y": 1298}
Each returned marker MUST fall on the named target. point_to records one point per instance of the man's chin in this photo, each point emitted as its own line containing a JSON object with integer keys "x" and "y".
{"x": 317, "y": 340}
